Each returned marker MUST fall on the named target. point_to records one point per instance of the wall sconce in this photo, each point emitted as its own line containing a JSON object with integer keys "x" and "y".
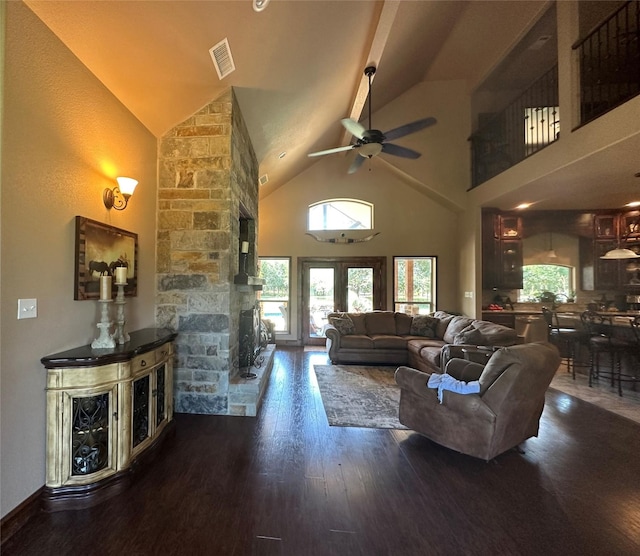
{"x": 118, "y": 197}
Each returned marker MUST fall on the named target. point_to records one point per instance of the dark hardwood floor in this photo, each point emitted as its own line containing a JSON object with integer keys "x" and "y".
{"x": 285, "y": 483}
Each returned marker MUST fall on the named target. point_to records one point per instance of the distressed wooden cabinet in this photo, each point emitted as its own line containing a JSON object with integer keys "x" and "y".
{"x": 106, "y": 409}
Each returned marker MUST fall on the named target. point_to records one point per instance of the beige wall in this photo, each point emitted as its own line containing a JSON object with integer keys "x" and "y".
{"x": 409, "y": 223}
{"x": 419, "y": 204}
{"x": 64, "y": 139}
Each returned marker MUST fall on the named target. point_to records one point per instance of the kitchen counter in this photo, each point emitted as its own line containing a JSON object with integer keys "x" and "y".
{"x": 518, "y": 312}
{"x": 511, "y": 318}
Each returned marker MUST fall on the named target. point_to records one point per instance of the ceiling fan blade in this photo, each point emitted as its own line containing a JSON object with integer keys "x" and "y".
{"x": 334, "y": 150}
{"x": 357, "y": 162}
{"x": 397, "y": 150}
{"x": 356, "y": 129}
{"x": 406, "y": 129}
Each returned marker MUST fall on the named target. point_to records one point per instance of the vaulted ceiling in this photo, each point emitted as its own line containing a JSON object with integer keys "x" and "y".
{"x": 299, "y": 64}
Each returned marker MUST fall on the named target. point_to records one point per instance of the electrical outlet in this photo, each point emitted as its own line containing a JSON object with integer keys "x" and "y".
{"x": 27, "y": 308}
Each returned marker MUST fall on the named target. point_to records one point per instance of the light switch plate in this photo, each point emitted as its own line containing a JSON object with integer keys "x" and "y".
{"x": 27, "y": 308}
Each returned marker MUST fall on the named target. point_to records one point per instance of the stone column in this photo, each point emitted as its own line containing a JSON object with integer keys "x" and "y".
{"x": 208, "y": 174}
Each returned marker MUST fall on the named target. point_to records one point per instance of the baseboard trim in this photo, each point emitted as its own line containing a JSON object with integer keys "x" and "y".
{"x": 16, "y": 518}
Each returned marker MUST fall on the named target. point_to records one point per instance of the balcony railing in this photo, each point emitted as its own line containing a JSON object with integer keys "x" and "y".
{"x": 528, "y": 124}
{"x": 610, "y": 62}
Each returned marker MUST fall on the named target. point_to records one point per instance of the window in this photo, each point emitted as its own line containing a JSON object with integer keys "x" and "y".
{"x": 414, "y": 284}
{"x": 274, "y": 297}
{"x": 550, "y": 278}
{"x": 341, "y": 214}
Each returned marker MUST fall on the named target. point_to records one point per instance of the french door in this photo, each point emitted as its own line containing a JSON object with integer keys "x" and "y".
{"x": 353, "y": 284}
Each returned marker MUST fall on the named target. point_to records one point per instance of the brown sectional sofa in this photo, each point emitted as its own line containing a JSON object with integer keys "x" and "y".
{"x": 424, "y": 342}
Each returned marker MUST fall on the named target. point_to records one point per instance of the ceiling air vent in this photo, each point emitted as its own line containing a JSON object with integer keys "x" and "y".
{"x": 263, "y": 179}
{"x": 222, "y": 59}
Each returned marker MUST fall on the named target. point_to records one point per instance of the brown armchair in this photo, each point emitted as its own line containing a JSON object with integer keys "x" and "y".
{"x": 505, "y": 413}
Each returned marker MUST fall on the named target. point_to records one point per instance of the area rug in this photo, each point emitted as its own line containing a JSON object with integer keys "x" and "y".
{"x": 359, "y": 396}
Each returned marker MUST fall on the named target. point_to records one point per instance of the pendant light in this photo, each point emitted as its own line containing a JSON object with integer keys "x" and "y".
{"x": 620, "y": 252}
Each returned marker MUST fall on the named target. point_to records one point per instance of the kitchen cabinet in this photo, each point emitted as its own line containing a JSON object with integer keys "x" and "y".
{"x": 605, "y": 226}
{"x": 511, "y": 262}
{"x": 106, "y": 410}
{"x": 501, "y": 251}
{"x": 611, "y": 231}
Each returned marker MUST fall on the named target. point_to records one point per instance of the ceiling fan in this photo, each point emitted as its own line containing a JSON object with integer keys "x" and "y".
{"x": 371, "y": 142}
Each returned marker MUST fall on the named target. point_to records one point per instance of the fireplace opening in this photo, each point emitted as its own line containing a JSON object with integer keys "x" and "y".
{"x": 251, "y": 334}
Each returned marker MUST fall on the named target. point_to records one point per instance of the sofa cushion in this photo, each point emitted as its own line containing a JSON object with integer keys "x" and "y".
{"x": 356, "y": 341}
{"x": 403, "y": 324}
{"x": 495, "y": 334}
{"x": 431, "y": 354}
{"x": 416, "y": 346}
{"x": 457, "y": 324}
{"x": 424, "y": 325}
{"x": 469, "y": 335}
{"x": 444, "y": 319}
{"x": 380, "y": 322}
{"x": 344, "y": 325}
{"x": 384, "y": 341}
{"x": 359, "y": 322}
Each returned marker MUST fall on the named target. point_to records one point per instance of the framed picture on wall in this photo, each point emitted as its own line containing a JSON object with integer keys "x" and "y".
{"x": 101, "y": 248}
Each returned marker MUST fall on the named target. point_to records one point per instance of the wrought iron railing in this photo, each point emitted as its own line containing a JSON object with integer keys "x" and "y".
{"x": 528, "y": 124}
{"x": 610, "y": 62}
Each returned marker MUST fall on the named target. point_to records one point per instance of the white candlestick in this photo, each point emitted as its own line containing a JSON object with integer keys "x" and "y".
{"x": 105, "y": 287}
{"x": 121, "y": 274}
{"x": 245, "y": 247}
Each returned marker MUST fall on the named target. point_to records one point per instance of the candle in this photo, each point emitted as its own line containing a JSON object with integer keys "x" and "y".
{"x": 245, "y": 247}
{"x": 105, "y": 287}
{"x": 121, "y": 274}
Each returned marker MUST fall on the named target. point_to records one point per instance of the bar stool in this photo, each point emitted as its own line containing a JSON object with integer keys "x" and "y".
{"x": 569, "y": 338}
{"x": 602, "y": 340}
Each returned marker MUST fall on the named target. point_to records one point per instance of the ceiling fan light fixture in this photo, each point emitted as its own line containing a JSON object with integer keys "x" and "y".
{"x": 371, "y": 142}
{"x": 259, "y": 5}
{"x": 369, "y": 150}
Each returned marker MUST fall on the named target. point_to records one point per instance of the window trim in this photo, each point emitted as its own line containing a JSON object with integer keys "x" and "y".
{"x": 432, "y": 305}
{"x": 287, "y": 330}
{"x": 360, "y": 202}
{"x": 573, "y": 276}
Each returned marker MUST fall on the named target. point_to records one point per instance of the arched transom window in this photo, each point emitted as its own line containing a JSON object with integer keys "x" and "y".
{"x": 340, "y": 214}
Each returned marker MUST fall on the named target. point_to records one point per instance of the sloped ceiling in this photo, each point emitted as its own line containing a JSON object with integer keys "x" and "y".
{"x": 299, "y": 64}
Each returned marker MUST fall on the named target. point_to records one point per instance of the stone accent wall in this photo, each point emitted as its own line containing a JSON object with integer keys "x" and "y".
{"x": 208, "y": 177}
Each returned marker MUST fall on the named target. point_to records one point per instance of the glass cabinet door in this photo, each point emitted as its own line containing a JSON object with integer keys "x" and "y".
{"x": 88, "y": 442}
{"x": 90, "y": 429}
{"x": 511, "y": 256}
{"x": 150, "y": 410}
{"x": 510, "y": 227}
{"x": 606, "y": 226}
{"x": 607, "y": 272}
